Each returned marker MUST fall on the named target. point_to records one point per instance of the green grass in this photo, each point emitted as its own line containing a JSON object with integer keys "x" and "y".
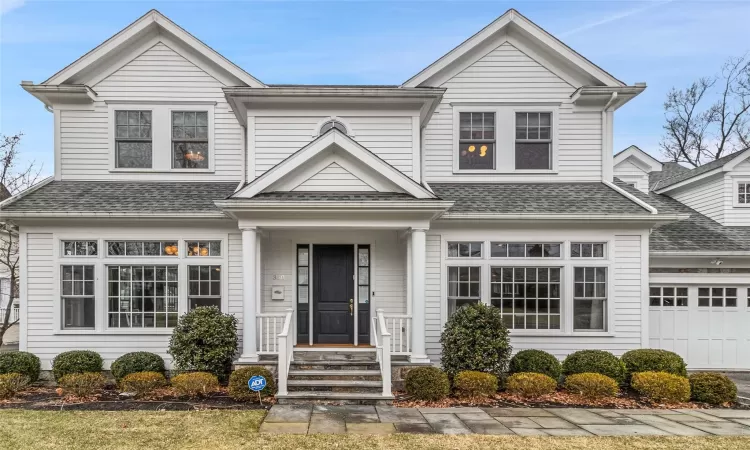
{"x": 217, "y": 430}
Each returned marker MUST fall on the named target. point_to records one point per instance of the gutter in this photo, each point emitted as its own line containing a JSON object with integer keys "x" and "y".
{"x": 255, "y": 205}
{"x": 572, "y": 217}
{"x": 115, "y": 215}
{"x": 630, "y": 196}
{"x": 700, "y": 253}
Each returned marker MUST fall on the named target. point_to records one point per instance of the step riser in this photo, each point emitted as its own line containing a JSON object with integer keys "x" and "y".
{"x": 303, "y": 401}
{"x": 335, "y": 377}
{"x": 338, "y": 389}
{"x": 334, "y": 356}
{"x": 298, "y": 365}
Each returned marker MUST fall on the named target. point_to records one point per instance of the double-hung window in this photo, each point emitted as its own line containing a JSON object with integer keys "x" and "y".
{"x": 204, "y": 286}
{"x": 190, "y": 140}
{"x": 533, "y": 146}
{"x": 133, "y": 144}
{"x": 476, "y": 142}
{"x": 743, "y": 193}
{"x": 464, "y": 286}
{"x": 589, "y": 298}
{"x": 77, "y": 286}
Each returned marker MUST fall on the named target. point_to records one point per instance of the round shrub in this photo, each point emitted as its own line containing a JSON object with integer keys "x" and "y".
{"x": 475, "y": 338}
{"x": 238, "y": 388}
{"x": 204, "y": 340}
{"x": 142, "y": 383}
{"x": 21, "y": 362}
{"x": 591, "y": 385}
{"x": 195, "y": 384}
{"x": 594, "y": 361}
{"x": 82, "y": 384}
{"x": 136, "y": 362}
{"x": 536, "y": 361}
{"x": 11, "y": 384}
{"x": 475, "y": 384}
{"x": 661, "y": 387}
{"x": 713, "y": 388}
{"x": 427, "y": 383}
{"x": 652, "y": 360}
{"x": 76, "y": 361}
{"x": 529, "y": 385}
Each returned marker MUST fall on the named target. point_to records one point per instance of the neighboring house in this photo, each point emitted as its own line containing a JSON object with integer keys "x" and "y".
{"x": 5, "y": 294}
{"x": 336, "y": 215}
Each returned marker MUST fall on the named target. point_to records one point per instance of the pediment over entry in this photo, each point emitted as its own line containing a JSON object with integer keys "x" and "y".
{"x": 334, "y": 162}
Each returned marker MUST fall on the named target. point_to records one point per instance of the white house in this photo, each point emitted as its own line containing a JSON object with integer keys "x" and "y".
{"x": 348, "y": 218}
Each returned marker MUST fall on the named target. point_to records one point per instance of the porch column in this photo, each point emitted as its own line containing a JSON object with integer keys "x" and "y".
{"x": 249, "y": 294}
{"x": 418, "y": 261}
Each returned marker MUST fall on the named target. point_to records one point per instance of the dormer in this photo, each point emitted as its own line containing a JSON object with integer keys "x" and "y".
{"x": 634, "y": 166}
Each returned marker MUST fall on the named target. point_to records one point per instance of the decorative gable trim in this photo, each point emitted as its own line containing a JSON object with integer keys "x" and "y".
{"x": 650, "y": 163}
{"x": 737, "y": 160}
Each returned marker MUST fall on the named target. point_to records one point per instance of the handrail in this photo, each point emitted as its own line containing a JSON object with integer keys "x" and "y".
{"x": 400, "y": 327}
{"x": 14, "y": 314}
{"x": 384, "y": 351}
{"x": 269, "y": 325}
{"x": 286, "y": 351}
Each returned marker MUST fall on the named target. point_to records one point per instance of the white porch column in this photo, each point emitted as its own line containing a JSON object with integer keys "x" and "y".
{"x": 249, "y": 294}
{"x": 418, "y": 261}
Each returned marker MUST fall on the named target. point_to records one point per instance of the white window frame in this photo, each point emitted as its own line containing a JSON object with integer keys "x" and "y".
{"x": 62, "y": 296}
{"x": 323, "y": 121}
{"x": 161, "y": 134}
{"x": 735, "y": 192}
{"x": 562, "y": 294}
{"x": 674, "y": 297}
{"x": 482, "y": 250}
{"x": 586, "y": 258}
{"x": 606, "y": 299}
{"x": 459, "y": 266}
{"x": 62, "y": 248}
{"x": 723, "y": 287}
{"x": 526, "y": 258}
{"x": 222, "y": 274}
{"x": 478, "y": 141}
{"x": 209, "y": 126}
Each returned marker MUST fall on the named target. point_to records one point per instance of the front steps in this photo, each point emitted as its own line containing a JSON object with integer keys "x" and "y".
{"x": 334, "y": 376}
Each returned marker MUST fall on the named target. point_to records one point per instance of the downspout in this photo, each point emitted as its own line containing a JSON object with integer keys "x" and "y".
{"x": 607, "y": 161}
{"x": 49, "y": 109}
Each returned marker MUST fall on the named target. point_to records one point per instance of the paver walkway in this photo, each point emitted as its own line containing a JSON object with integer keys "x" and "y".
{"x": 310, "y": 419}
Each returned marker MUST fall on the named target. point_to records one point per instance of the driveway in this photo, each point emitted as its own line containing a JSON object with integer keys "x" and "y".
{"x": 742, "y": 380}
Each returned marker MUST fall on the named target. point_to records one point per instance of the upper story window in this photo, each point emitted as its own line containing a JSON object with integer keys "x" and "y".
{"x": 133, "y": 143}
{"x": 586, "y": 250}
{"x": 743, "y": 193}
{"x": 476, "y": 142}
{"x": 465, "y": 249}
{"x": 533, "y": 144}
{"x": 80, "y": 248}
{"x": 189, "y": 139}
{"x": 524, "y": 250}
{"x": 331, "y": 124}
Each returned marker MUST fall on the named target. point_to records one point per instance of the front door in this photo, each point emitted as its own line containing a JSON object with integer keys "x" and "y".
{"x": 333, "y": 294}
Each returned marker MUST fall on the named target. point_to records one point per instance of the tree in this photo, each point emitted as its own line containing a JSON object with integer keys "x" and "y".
{"x": 697, "y": 131}
{"x": 15, "y": 176}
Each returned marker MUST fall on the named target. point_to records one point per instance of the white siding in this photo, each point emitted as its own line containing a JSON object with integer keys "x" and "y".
{"x": 278, "y": 136}
{"x": 706, "y": 197}
{"x": 507, "y": 75}
{"x": 631, "y": 173}
{"x": 159, "y": 74}
{"x": 334, "y": 178}
{"x": 736, "y": 215}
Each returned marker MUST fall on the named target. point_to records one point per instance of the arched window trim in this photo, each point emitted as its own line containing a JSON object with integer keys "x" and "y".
{"x": 319, "y": 125}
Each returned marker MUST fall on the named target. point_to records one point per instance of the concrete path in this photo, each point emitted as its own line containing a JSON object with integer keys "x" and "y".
{"x": 742, "y": 380}
{"x": 312, "y": 419}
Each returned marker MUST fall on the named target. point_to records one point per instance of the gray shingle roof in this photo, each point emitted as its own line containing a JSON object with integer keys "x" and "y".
{"x": 332, "y": 196}
{"x": 536, "y": 198}
{"x": 686, "y": 175}
{"x": 668, "y": 170}
{"x": 127, "y": 197}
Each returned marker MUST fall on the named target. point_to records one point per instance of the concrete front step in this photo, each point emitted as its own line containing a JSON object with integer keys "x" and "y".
{"x": 334, "y": 372}
{"x": 339, "y": 398}
{"x": 339, "y": 386}
{"x": 334, "y": 365}
{"x": 334, "y": 355}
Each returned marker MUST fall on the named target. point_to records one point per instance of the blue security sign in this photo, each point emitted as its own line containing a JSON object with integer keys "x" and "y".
{"x": 256, "y": 383}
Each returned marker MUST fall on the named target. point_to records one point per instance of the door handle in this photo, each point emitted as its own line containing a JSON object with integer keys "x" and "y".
{"x": 351, "y": 306}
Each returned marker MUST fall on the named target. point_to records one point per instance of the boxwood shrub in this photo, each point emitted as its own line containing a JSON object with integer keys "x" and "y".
{"x": 713, "y": 388}
{"x": 11, "y": 384}
{"x": 142, "y": 383}
{"x": 427, "y": 383}
{"x": 530, "y": 385}
{"x": 76, "y": 361}
{"x": 591, "y": 385}
{"x": 239, "y": 390}
{"x": 84, "y": 384}
{"x": 195, "y": 384}
{"x": 536, "y": 361}
{"x": 204, "y": 340}
{"x": 25, "y": 363}
{"x": 475, "y": 384}
{"x": 594, "y": 361}
{"x": 661, "y": 387}
{"x": 136, "y": 362}
{"x": 653, "y": 360}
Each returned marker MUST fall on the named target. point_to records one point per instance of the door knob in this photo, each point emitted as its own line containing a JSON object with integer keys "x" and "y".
{"x": 351, "y": 306}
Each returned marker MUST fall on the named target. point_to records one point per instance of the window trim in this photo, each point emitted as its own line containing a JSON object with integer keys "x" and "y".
{"x": 324, "y": 120}
{"x": 549, "y": 141}
{"x": 587, "y": 258}
{"x": 116, "y": 139}
{"x": 209, "y": 149}
{"x": 222, "y": 294}
{"x": 675, "y": 286}
{"x": 466, "y": 258}
{"x": 606, "y": 299}
{"x": 61, "y": 296}
{"x": 561, "y": 281}
{"x": 735, "y": 192}
{"x": 492, "y": 141}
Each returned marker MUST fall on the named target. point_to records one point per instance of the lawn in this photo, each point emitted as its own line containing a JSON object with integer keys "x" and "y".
{"x": 216, "y": 430}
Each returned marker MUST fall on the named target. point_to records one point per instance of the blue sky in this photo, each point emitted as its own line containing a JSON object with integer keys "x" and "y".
{"x": 664, "y": 43}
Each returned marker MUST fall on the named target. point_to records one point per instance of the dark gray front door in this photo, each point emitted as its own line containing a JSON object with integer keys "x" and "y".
{"x": 333, "y": 294}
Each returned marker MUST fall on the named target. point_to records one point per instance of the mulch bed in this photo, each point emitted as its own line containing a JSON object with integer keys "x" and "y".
{"x": 48, "y": 399}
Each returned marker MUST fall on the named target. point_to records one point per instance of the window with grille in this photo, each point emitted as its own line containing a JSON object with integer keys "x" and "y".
{"x": 586, "y": 250}
{"x": 528, "y": 297}
{"x": 142, "y": 296}
{"x": 533, "y": 144}
{"x": 464, "y": 287}
{"x": 80, "y": 248}
{"x": 465, "y": 249}
{"x": 524, "y": 250}
{"x": 476, "y": 141}
{"x": 190, "y": 139}
{"x": 589, "y": 298}
{"x": 668, "y": 296}
{"x": 133, "y": 142}
{"x": 743, "y": 193}
{"x": 77, "y": 286}
{"x": 717, "y": 297}
{"x": 204, "y": 286}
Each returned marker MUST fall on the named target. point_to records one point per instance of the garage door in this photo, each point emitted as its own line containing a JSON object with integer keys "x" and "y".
{"x": 708, "y": 325}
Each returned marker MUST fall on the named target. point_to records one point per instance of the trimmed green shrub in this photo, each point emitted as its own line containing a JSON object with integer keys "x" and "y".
{"x": 713, "y": 388}
{"x": 427, "y": 383}
{"x": 142, "y": 383}
{"x": 11, "y": 384}
{"x": 591, "y": 385}
{"x": 238, "y": 388}
{"x": 652, "y": 360}
{"x": 536, "y": 361}
{"x": 594, "y": 361}
{"x": 136, "y": 362}
{"x": 661, "y": 387}
{"x": 475, "y": 384}
{"x": 195, "y": 384}
{"x": 20, "y": 362}
{"x": 529, "y": 385}
{"x": 475, "y": 338}
{"x": 204, "y": 340}
{"x": 76, "y": 361}
{"x": 82, "y": 384}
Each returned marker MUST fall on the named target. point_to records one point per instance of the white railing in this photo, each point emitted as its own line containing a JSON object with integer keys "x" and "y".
{"x": 14, "y": 314}
{"x": 383, "y": 350}
{"x": 399, "y": 325}
{"x": 269, "y": 327}
{"x": 286, "y": 351}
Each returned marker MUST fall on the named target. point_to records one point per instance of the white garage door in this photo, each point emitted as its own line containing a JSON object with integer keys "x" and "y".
{"x": 708, "y": 325}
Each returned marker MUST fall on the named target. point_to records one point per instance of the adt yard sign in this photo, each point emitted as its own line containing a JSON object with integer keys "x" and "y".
{"x": 257, "y": 383}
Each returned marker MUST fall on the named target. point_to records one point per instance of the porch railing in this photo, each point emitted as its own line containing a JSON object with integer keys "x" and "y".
{"x": 383, "y": 350}
{"x": 269, "y": 327}
{"x": 286, "y": 351}
{"x": 399, "y": 325}
{"x": 14, "y": 314}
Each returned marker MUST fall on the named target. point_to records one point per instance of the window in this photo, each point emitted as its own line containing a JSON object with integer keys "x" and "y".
{"x": 668, "y": 296}
{"x": 465, "y": 249}
{"x": 80, "y": 248}
{"x": 528, "y": 297}
{"x": 142, "y": 296}
{"x": 363, "y": 274}
{"x": 743, "y": 193}
{"x": 78, "y": 305}
{"x": 204, "y": 248}
{"x": 464, "y": 286}
{"x": 586, "y": 250}
{"x": 303, "y": 274}
{"x": 533, "y": 140}
{"x": 204, "y": 286}
{"x": 133, "y": 139}
{"x": 476, "y": 141}
{"x": 190, "y": 140}
{"x": 589, "y": 298}
{"x": 717, "y": 297}
{"x": 331, "y": 124}
{"x": 142, "y": 248}
{"x": 524, "y": 250}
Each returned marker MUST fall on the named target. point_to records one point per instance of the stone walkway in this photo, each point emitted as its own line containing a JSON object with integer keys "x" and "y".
{"x": 309, "y": 419}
